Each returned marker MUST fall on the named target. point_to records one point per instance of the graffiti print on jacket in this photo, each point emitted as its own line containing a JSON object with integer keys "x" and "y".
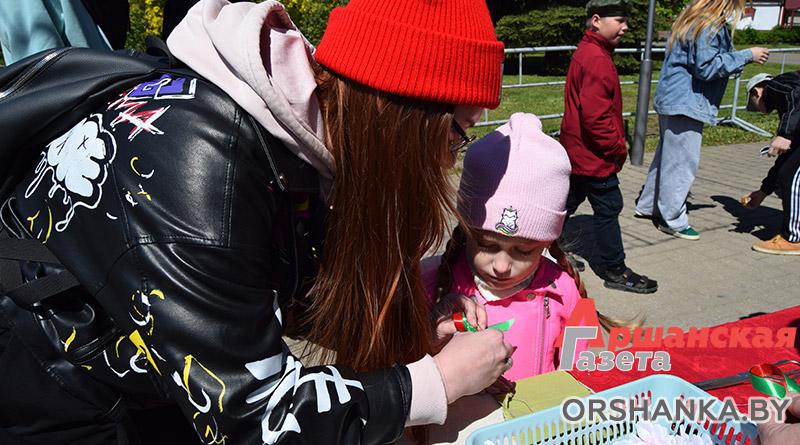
{"x": 167, "y": 87}
{"x": 74, "y": 166}
{"x": 131, "y": 103}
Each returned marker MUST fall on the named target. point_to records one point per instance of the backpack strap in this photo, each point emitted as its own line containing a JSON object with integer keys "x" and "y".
{"x": 13, "y": 250}
{"x": 11, "y": 285}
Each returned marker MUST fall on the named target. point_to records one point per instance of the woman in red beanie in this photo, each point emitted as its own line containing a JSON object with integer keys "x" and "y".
{"x": 280, "y": 190}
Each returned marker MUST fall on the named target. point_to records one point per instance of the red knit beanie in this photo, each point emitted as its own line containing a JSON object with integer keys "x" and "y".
{"x": 441, "y": 51}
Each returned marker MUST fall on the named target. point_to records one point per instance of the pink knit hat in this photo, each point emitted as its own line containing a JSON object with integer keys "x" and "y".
{"x": 515, "y": 181}
{"x": 441, "y": 51}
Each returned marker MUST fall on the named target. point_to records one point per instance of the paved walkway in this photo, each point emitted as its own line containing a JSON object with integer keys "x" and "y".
{"x": 791, "y": 58}
{"x": 714, "y": 280}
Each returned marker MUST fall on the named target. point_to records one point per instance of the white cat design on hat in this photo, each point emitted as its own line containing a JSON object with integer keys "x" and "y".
{"x": 508, "y": 222}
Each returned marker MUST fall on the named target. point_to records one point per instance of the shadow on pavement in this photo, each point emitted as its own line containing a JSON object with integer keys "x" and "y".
{"x": 691, "y": 207}
{"x": 762, "y": 222}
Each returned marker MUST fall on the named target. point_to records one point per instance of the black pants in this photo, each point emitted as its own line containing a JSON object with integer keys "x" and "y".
{"x": 789, "y": 183}
{"x": 113, "y": 18}
{"x": 175, "y": 11}
{"x": 37, "y": 408}
{"x": 606, "y": 199}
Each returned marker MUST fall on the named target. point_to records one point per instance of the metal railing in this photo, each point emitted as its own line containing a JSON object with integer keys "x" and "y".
{"x": 732, "y": 119}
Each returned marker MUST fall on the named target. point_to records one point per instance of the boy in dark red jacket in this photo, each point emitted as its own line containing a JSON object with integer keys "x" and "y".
{"x": 592, "y": 133}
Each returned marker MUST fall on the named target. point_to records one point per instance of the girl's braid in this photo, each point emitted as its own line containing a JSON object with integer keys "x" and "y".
{"x": 606, "y": 322}
{"x": 561, "y": 258}
{"x": 444, "y": 275}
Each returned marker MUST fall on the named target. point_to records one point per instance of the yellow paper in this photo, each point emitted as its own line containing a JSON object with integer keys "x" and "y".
{"x": 542, "y": 391}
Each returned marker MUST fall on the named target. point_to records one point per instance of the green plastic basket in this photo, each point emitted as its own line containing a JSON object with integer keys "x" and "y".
{"x": 548, "y": 427}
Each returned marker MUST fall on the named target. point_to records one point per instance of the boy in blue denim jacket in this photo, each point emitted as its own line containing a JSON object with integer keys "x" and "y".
{"x": 781, "y": 93}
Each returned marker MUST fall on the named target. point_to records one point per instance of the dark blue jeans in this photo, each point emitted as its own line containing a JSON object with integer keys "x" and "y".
{"x": 606, "y": 199}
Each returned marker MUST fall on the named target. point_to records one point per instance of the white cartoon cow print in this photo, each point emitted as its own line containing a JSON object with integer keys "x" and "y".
{"x": 77, "y": 165}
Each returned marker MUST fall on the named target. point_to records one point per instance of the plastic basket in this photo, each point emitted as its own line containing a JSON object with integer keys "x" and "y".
{"x": 548, "y": 426}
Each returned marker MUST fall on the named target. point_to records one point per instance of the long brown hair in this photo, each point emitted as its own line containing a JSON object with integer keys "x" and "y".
{"x": 390, "y": 198}
{"x": 457, "y": 244}
{"x": 702, "y": 14}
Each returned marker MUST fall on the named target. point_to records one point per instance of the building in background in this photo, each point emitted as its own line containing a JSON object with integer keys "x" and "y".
{"x": 765, "y": 15}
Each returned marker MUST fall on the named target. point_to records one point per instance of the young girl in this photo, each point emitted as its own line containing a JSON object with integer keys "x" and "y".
{"x": 512, "y": 201}
{"x": 700, "y": 57}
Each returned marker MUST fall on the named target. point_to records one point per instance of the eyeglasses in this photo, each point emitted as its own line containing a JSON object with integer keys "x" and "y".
{"x": 465, "y": 140}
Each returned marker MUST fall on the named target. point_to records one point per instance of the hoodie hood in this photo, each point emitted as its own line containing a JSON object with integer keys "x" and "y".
{"x": 255, "y": 53}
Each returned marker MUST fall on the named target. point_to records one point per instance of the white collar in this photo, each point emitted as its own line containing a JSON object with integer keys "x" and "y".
{"x": 491, "y": 294}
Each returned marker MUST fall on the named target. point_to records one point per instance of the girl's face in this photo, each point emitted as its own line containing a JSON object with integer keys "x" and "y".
{"x": 503, "y": 261}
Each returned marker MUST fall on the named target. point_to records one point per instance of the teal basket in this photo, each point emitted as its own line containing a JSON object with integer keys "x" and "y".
{"x": 548, "y": 426}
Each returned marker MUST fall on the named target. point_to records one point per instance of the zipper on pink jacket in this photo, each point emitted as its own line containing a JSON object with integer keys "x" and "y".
{"x": 545, "y": 316}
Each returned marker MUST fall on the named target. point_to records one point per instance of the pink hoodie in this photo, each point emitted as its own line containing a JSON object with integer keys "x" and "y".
{"x": 540, "y": 311}
{"x": 256, "y": 54}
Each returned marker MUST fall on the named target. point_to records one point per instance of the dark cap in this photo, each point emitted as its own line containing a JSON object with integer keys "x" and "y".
{"x": 609, "y": 8}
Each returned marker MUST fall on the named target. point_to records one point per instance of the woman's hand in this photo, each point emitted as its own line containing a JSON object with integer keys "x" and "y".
{"x": 472, "y": 361}
{"x": 774, "y": 432}
{"x": 452, "y": 303}
{"x": 753, "y": 199}
{"x": 760, "y": 54}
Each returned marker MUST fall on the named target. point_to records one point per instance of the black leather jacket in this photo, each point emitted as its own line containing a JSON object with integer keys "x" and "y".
{"x": 189, "y": 228}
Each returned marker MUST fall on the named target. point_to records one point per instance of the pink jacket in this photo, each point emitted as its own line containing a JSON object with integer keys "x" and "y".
{"x": 541, "y": 311}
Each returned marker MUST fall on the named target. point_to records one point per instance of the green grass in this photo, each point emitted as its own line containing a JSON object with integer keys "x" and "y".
{"x": 550, "y": 100}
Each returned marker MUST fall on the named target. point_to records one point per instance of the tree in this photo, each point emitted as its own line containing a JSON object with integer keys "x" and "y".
{"x": 147, "y": 18}
{"x": 669, "y": 9}
{"x": 501, "y": 8}
{"x": 565, "y": 24}
{"x": 311, "y": 16}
